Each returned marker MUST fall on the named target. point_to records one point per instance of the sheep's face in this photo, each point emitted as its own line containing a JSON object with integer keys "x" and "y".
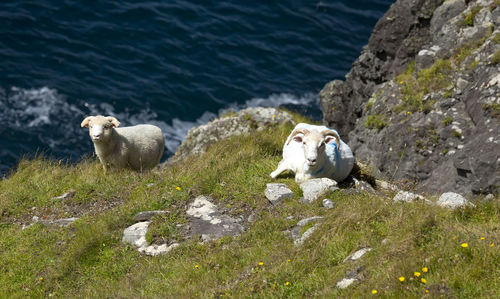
{"x": 100, "y": 127}
{"x": 314, "y": 147}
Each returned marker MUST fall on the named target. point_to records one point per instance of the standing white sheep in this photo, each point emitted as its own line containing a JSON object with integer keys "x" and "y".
{"x": 138, "y": 147}
{"x": 315, "y": 152}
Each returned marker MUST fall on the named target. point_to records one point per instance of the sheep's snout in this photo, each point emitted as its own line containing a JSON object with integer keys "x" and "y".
{"x": 96, "y": 132}
{"x": 311, "y": 162}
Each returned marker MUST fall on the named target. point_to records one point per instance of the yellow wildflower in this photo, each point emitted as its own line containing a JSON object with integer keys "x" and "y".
{"x": 41, "y": 279}
{"x": 425, "y": 269}
{"x": 423, "y": 280}
{"x": 289, "y": 260}
{"x": 287, "y": 283}
{"x": 274, "y": 115}
{"x": 401, "y": 278}
{"x": 482, "y": 238}
{"x": 178, "y": 188}
{"x": 374, "y": 292}
{"x": 196, "y": 266}
{"x": 492, "y": 244}
{"x": 427, "y": 291}
{"x": 454, "y": 237}
{"x": 464, "y": 245}
{"x": 417, "y": 274}
{"x": 401, "y": 82}
{"x": 408, "y": 113}
{"x": 261, "y": 264}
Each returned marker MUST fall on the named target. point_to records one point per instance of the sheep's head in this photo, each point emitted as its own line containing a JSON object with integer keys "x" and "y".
{"x": 100, "y": 126}
{"x": 314, "y": 143}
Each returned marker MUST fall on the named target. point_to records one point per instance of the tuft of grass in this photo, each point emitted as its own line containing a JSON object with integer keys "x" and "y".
{"x": 469, "y": 18}
{"x": 496, "y": 57}
{"x": 457, "y": 134}
{"x": 447, "y": 121}
{"x": 414, "y": 87}
{"x": 375, "y": 121}
{"x": 493, "y": 109}
{"x": 496, "y": 38}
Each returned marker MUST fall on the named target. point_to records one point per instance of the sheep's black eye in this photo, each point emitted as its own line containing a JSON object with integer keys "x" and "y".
{"x": 322, "y": 144}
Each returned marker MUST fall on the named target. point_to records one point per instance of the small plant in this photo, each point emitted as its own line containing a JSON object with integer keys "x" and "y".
{"x": 447, "y": 93}
{"x": 444, "y": 151}
{"x": 457, "y": 134}
{"x": 496, "y": 38}
{"x": 493, "y": 108}
{"x": 496, "y": 57}
{"x": 447, "y": 121}
{"x": 375, "y": 121}
{"x": 469, "y": 19}
{"x": 473, "y": 64}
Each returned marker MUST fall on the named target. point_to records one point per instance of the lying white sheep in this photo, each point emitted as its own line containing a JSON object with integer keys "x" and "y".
{"x": 315, "y": 152}
{"x": 138, "y": 147}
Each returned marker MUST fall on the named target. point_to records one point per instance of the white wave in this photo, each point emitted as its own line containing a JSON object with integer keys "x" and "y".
{"x": 57, "y": 121}
{"x": 26, "y": 108}
{"x": 277, "y": 100}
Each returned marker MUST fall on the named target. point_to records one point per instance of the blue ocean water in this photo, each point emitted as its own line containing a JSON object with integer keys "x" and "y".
{"x": 174, "y": 63}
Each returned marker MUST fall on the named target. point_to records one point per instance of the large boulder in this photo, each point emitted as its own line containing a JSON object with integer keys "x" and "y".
{"x": 397, "y": 37}
{"x": 433, "y": 124}
{"x": 229, "y": 125}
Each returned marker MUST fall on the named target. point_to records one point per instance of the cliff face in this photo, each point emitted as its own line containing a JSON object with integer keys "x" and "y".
{"x": 421, "y": 103}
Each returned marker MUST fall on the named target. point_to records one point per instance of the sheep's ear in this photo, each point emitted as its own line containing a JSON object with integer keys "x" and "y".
{"x": 114, "y": 121}
{"x": 329, "y": 139}
{"x": 298, "y": 138}
{"x": 86, "y": 121}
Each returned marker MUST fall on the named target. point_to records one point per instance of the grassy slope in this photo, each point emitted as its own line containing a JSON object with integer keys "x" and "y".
{"x": 88, "y": 259}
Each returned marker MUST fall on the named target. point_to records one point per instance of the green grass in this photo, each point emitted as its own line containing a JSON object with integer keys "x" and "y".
{"x": 414, "y": 86}
{"x": 375, "y": 121}
{"x": 496, "y": 57}
{"x": 469, "y": 18}
{"x": 493, "y": 109}
{"x": 89, "y": 260}
{"x": 447, "y": 121}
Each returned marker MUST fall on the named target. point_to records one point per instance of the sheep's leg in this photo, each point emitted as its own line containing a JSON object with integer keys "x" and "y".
{"x": 282, "y": 166}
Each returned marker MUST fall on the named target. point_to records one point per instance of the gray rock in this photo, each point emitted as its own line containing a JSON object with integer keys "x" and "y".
{"x": 315, "y": 188}
{"x": 327, "y": 203}
{"x": 405, "y": 196}
{"x": 241, "y": 122}
{"x": 69, "y": 194}
{"x": 425, "y": 59}
{"x": 489, "y": 197}
{"x": 295, "y": 232}
{"x": 363, "y": 185}
{"x": 207, "y": 222}
{"x": 135, "y": 234}
{"x": 276, "y": 192}
{"x": 154, "y": 250}
{"x": 305, "y": 221}
{"x": 306, "y": 235}
{"x": 452, "y": 200}
{"x": 357, "y": 255}
{"x": 345, "y": 283}
{"x": 147, "y": 215}
{"x": 445, "y": 12}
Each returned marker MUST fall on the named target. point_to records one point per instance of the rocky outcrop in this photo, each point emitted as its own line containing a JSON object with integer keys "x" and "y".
{"x": 422, "y": 102}
{"x": 233, "y": 124}
{"x": 396, "y": 39}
